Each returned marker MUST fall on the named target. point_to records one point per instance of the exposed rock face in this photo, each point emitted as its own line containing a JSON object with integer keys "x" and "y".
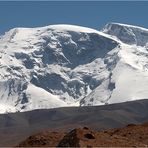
{"x": 78, "y": 138}
{"x": 129, "y": 136}
{"x": 127, "y": 33}
{"x": 47, "y": 138}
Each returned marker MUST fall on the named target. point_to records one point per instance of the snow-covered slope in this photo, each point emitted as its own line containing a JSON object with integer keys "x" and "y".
{"x": 66, "y": 65}
{"x": 127, "y": 33}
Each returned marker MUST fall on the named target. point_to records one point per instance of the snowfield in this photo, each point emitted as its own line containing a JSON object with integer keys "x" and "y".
{"x": 66, "y": 65}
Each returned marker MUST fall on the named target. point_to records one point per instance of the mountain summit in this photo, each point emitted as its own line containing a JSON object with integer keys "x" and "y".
{"x": 127, "y": 33}
{"x": 67, "y": 65}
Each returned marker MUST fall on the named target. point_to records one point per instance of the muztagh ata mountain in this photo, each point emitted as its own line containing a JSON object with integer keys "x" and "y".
{"x": 66, "y": 65}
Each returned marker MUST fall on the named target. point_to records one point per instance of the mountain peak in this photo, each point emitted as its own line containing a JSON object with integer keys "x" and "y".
{"x": 115, "y": 24}
{"x": 128, "y": 34}
{"x": 68, "y": 27}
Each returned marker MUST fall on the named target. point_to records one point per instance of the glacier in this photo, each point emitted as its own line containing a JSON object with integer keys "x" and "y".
{"x": 67, "y": 65}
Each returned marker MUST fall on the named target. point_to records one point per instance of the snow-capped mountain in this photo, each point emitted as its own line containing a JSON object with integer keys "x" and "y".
{"x": 127, "y": 33}
{"x": 66, "y": 65}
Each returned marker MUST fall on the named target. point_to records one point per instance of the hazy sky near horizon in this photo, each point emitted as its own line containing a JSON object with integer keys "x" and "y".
{"x": 94, "y": 14}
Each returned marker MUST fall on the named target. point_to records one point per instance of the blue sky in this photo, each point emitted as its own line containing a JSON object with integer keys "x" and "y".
{"x": 93, "y": 14}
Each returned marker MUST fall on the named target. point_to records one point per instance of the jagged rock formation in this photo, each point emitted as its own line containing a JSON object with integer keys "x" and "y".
{"x": 130, "y": 136}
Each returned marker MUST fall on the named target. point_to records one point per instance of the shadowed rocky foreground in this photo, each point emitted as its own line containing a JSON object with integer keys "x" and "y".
{"x": 130, "y": 136}
{"x": 16, "y": 127}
